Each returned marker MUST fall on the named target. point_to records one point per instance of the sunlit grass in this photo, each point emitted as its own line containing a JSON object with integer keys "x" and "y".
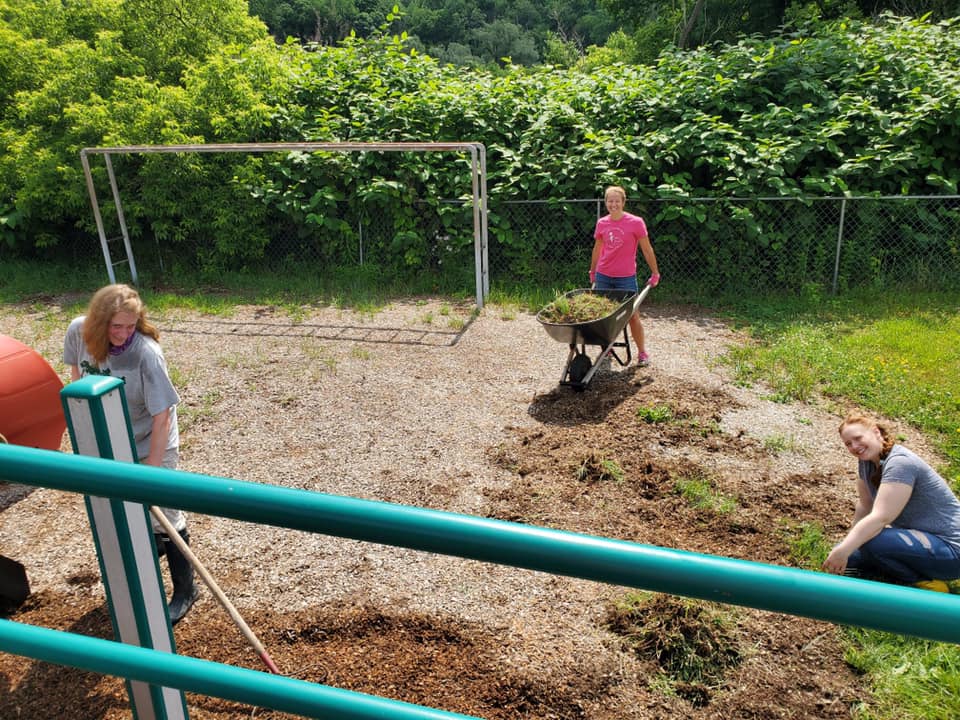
{"x": 911, "y": 679}
{"x": 189, "y": 414}
{"x": 597, "y": 468}
{"x": 655, "y": 413}
{"x": 693, "y": 644}
{"x": 900, "y": 361}
{"x": 530, "y": 299}
{"x": 778, "y": 443}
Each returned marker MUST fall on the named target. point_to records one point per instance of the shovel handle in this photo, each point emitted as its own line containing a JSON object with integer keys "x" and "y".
{"x": 175, "y": 538}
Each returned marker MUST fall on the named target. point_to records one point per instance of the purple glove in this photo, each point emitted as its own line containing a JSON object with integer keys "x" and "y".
{"x": 654, "y": 280}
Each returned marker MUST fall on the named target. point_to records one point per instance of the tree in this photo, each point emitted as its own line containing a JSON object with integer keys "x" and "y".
{"x": 169, "y": 34}
{"x": 456, "y": 54}
{"x": 697, "y": 22}
{"x": 560, "y": 52}
{"x": 501, "y": 39}
{"x": 443, "y": 28}
{"x": 94, "y": 73}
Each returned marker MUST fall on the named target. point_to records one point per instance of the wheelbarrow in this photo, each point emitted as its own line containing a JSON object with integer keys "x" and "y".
{"x": 603, "y": 332}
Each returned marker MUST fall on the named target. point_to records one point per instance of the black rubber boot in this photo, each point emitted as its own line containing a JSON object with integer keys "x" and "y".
{"x": 160, "y": 541}
{"x": 185, "y": 590}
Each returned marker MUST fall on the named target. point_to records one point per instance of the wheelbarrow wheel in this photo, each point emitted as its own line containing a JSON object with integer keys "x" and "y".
{"x": 579, "y": 367}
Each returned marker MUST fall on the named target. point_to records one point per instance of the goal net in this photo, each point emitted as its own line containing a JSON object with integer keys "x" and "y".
{"x": 393, "y": 208}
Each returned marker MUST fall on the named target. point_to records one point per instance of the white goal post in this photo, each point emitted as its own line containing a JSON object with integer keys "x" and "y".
{"x": 478, "y": 167}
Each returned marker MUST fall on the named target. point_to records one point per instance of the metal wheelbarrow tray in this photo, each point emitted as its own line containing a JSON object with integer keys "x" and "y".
{"x": 605, "y": 331}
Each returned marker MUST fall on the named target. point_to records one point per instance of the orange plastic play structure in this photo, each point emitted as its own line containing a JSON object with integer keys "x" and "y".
{"x": 30, "y": 410}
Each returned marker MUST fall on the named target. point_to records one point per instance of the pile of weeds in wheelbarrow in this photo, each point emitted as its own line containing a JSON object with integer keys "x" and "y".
{"x": 578, "y": 308}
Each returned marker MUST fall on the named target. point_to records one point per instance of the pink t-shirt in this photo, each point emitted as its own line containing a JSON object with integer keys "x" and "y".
{"x": 618, "y": 254}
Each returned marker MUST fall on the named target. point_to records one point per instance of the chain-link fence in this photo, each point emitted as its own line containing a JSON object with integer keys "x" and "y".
{"x": 704, "y": 246}
{"x": 754, "y": 245}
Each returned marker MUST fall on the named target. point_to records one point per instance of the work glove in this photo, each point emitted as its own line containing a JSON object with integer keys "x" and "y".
{"x": 654, "y": 280}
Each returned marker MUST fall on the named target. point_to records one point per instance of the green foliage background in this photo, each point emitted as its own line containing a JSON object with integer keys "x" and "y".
{"x": 820, "y": 109}
{"x": 828, "y": 109}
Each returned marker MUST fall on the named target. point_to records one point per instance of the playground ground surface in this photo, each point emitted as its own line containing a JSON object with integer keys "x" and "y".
{"x": 424, "y": 404}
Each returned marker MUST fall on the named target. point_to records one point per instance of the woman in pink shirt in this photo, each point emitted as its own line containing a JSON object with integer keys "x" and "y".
{"x": 613, "y": 264}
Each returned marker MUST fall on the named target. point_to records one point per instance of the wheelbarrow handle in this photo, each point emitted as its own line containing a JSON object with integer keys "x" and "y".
{"x": 641, "y": 295}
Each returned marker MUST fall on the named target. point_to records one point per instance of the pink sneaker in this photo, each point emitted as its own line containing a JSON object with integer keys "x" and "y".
{"x": 643, "y": 359}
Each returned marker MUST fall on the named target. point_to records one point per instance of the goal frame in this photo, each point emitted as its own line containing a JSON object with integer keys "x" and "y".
{"x": 478, "y": 174}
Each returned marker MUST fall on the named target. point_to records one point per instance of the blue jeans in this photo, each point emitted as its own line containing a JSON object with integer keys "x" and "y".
{"x": 605, "y": 282}
{"x": 906, "y": 556}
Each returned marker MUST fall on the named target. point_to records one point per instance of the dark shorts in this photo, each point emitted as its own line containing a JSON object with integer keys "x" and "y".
{"x": 605, "y": 282}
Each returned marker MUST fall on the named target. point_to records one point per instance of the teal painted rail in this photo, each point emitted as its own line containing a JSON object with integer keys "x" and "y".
{"x": 848, "y": 601}
{"x": 207, "y": 678}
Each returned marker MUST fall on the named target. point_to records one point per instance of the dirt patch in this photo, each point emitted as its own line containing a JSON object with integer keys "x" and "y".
{"x": 565, "y": 471}
{"x": 424, "y": 405}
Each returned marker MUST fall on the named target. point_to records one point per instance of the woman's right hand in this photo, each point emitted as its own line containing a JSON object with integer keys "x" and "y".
{"x": 836, "y": 561}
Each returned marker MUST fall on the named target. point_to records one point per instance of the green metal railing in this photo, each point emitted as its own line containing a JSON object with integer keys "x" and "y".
{"x": 847, "y": 601}
{"x": 205, "y": 677}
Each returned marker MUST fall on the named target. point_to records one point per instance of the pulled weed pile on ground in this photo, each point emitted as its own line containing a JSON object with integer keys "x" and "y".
{"x": 694, "y": 643}
{"x": 582, "y": 307}
{"x": 597, "y": 468}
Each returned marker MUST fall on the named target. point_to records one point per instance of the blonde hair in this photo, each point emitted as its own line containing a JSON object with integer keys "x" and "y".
{"x": 615, "y": 189}
{"x": 886, "y": 436}
{"x": 105, "y": 303}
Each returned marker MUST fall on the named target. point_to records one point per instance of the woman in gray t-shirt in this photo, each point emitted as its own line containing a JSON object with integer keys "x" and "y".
{"x": 906, "y": 526}
{"x": 115, "y": 338}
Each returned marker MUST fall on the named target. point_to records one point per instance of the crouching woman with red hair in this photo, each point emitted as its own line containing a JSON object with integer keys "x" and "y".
{"x": 906, "y": 526}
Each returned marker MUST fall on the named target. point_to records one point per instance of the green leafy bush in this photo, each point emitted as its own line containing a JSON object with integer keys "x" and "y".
{"x": 827, "y": 109}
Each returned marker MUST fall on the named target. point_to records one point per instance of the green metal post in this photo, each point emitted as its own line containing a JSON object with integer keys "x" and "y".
{"x": 99, "y": 426}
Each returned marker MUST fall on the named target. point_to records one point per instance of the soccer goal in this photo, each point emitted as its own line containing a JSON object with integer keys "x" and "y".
{"x": 478, "y": 175}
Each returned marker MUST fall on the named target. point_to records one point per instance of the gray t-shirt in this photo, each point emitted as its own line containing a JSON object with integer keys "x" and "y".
{"x": 932, "y": 507}
{"x": 147, "y": 385}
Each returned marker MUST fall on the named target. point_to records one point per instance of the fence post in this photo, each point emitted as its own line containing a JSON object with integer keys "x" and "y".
{"x": 97, "y": 418}
{"x": 836, "y": 260}
{"x": 360, "y": 238}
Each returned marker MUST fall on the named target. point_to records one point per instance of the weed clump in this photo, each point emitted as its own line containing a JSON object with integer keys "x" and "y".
{"x": 582, "y": 307}
{"x": 693, "y": 642}
{"x": 655, "y": 413}
{"x": 596, "y": 468}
